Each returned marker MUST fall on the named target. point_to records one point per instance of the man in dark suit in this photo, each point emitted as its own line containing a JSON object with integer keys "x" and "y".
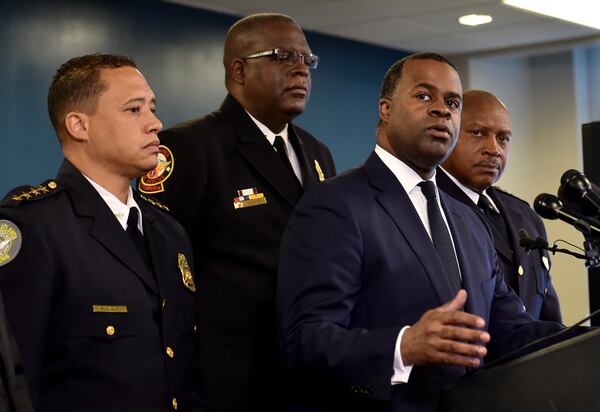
{"x": 389, "y": 289}
{"x": 475, "y": 165}
{"x": 99, "y": 285}
{"x": 232, "y": 178}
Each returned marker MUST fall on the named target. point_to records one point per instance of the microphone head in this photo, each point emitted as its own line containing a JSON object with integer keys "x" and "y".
{"x": 523, "y": 233}
{"x": 575, "y": 183}
{"x": 547, "y": 206}
{"x": 568, "y": 175}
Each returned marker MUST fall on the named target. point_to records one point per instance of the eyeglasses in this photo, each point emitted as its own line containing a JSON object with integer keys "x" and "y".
{"x": 289, "y": 57}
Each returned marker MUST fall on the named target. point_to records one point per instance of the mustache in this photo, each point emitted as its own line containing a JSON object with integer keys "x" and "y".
{"x": 489, "y": 163}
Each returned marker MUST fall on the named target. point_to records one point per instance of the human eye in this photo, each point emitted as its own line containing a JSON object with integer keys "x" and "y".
{"x": 504, "y": 138}
{"x": 425, "y": 97}
{"x": 453, "y": 103}
{"x": 477, "y": 132}
{"x": 135, "y": 109}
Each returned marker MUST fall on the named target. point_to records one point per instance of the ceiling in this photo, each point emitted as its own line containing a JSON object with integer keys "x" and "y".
{"x": 414, "y": 25}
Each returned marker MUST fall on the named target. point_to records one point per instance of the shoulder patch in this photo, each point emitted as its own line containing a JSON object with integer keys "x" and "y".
{"x": 155, "y": 203}
{"x": 10, "y": 241}
{"x": 152, "y": 182}
{"x": 510, "y": 194}
{"x": 30, "y": 193}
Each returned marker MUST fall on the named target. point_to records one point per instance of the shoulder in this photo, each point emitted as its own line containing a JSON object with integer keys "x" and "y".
{"x": 23, "y": 195}
{"x": 154, "y": 203}
{"x": 509, "y": 197}
{"x": 194, "y": 127}
{"x": 307, "y": 138}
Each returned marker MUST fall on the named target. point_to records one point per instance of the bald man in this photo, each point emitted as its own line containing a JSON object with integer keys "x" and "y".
{"x": 232, "y": 178}
{"x": 475, "y": 165}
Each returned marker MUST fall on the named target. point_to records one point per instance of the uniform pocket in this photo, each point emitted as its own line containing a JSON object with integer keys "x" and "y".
{"x": 84, "y": 322}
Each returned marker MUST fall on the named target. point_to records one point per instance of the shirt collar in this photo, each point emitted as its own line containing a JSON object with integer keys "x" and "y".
{"x": 407, "y": 177}
{"x": 268, "y": 133}
{"x": 119, "y": 209}
{"x": 471, "y": 194}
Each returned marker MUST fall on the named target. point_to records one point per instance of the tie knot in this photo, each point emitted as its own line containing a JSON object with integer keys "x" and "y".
{"x": 428, "y": 189}
{"x": 485, "y": 204}
{"x": 279, "y": 145}
{"x": 132, "y": 219}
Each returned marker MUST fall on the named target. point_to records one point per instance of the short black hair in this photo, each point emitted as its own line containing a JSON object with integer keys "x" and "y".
{"x": 391, "y": 78}
{"x": 77, "y": 83}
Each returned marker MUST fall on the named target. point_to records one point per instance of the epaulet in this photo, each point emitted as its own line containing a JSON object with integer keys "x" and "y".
{"x": 24, "y": 194}
{"x": 155, "y": 203}
{"x": 510, "y": 194}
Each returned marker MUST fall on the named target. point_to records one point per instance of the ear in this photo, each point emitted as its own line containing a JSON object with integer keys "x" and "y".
{"x": 77, "y": 125}
{"x": 385, "y": 106}
{"x": 238, "y": 71}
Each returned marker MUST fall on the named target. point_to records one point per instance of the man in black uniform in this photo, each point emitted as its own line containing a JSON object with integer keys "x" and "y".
{"x": 474, "y": 166}
{"x": 98, "y": 283}
{"x": 232, "y": 178}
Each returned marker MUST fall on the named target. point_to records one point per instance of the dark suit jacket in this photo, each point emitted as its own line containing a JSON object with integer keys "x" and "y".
{"x": 534, "y": 284}
{"x": 236, "y": 250}
{"x": 93, "y": 322}
{"x": 356, "y": 266}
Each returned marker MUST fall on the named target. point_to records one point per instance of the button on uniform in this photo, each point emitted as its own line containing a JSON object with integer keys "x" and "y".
{"x": 521, "y": 271}
{"x": 110, "y": 330}
{"x": 170, "y": 352}
{"x": 174, "y": 403}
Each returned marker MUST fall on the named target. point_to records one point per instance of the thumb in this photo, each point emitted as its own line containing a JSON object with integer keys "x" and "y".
{"x": 456, "y": 303}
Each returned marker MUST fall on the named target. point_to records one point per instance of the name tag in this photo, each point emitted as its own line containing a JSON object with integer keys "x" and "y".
{"x": 109, "y": 309}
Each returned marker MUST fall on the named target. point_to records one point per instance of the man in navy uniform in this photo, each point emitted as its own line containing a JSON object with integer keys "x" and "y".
{"x": 232, "y": 178}
{"x": 98, "y": 283}
{"x": 389, "y": 289}
{"x": 475, "y": 165}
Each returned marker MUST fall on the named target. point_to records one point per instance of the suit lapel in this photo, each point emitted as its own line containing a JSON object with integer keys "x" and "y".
{"x": 514, "y": 222}
{"x": 256, "y": 149}
{"x": 157, "y": 245}
{"x": 397, "y": 204}
{"x": 308, "y": 179}
{"x": 105, "y": 228}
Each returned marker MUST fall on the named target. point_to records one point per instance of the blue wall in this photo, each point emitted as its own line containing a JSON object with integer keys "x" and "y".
{"x": 179, "y": 50}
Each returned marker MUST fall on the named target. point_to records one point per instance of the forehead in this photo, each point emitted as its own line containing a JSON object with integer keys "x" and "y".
{"x": 438, "y": 74}
{"x": 281, "y": 34}
{"x": 124, "y": 81}
{"x": 485, "y": 110}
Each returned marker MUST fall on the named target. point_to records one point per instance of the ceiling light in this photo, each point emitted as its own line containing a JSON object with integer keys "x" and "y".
{"x": 474, "y": 19}
{"x": 584, "y": 12}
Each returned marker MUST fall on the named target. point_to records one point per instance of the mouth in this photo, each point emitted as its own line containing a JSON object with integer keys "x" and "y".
{"x": 440, "y": 131}
{"x": 490, "y": 166}
{"x": 153, "y": 146}
{"x": 298, "y": 90}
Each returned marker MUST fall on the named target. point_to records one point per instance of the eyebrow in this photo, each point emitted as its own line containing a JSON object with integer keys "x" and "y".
{"x": 431, "y": 87}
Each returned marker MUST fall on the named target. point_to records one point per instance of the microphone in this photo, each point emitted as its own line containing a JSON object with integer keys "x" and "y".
{"x": 550, "y": 207}
{"x": 530, "y": 243}
{"x": 576, "y": 186}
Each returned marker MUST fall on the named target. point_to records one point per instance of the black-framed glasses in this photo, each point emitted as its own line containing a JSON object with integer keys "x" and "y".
{"x": 289, "y": 57}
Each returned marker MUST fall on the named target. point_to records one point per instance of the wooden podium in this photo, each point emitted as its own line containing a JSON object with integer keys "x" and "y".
{"x": 563, "y": 377}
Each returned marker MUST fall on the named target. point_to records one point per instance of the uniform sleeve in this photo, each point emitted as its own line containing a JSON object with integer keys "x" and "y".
{"x": 27, "y": 284}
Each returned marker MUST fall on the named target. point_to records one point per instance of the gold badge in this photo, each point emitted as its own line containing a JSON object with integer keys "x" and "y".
{"x": 152, "y": 182}
{"x": 10, "y": 241}
{"x": 186, "y": 273}
{"x": 248, "y": 197}
{"x": 319, "y": 171}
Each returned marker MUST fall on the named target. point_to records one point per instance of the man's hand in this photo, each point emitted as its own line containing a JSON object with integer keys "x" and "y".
{"x": 445, "y": 335}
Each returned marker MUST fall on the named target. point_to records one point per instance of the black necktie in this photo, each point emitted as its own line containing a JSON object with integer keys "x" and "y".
{"x": 281, "y": 150}
{"x": 486, "y": 206}
{"x": 441, "y": 236}
{"x": 135, "y": 235}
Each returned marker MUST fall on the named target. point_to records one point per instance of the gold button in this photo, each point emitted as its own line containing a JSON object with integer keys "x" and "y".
{"x": 170, "y": 352}
{"x": 110, "y": 330}
{"x": 164, "y": 302}
{"x": 195, "y": 328}
{"x": 174, "y": 403}
{"x": 545, "y": 291}
{"x": 521, "y": 271}
{"x": 52, "y": 185}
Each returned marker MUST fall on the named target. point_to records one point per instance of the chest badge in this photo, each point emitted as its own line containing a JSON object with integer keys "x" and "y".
{"x": 186, "y": 273}
{"x": 248, "y": 197}
{"x": 10, "y": 241}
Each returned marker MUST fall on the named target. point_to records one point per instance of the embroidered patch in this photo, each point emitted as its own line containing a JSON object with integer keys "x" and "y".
{"x": 152, "y": 182}
{"x": 10, "y": 241}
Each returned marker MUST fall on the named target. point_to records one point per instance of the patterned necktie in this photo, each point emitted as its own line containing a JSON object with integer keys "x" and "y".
{"x": 441, "y": 236}
{"x": 486, "y": 206}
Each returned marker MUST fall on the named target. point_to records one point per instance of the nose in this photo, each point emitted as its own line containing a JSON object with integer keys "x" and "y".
{"x": 300, "y": 68}
{"x": 491, "y": 147}
{"x": 154, "y": 124}
{"x": 440, "y": 109}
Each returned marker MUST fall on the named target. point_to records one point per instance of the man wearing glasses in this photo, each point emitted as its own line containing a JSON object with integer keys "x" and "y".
{"x": 232, "y": 178}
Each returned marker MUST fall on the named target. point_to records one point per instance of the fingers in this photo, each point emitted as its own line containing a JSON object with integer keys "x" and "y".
{"x": 455, "y": 304}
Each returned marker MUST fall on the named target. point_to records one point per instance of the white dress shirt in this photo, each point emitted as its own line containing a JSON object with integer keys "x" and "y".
{"x": 119, "y": 209}
{"x": 290, "y": 149}
{"x": 409, "y": 179}
{"x": 473, "y": 195}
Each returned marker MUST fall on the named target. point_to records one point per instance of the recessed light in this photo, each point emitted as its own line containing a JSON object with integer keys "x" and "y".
{"x": 584, "y": 12}
{"x": 475, "y": 19}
